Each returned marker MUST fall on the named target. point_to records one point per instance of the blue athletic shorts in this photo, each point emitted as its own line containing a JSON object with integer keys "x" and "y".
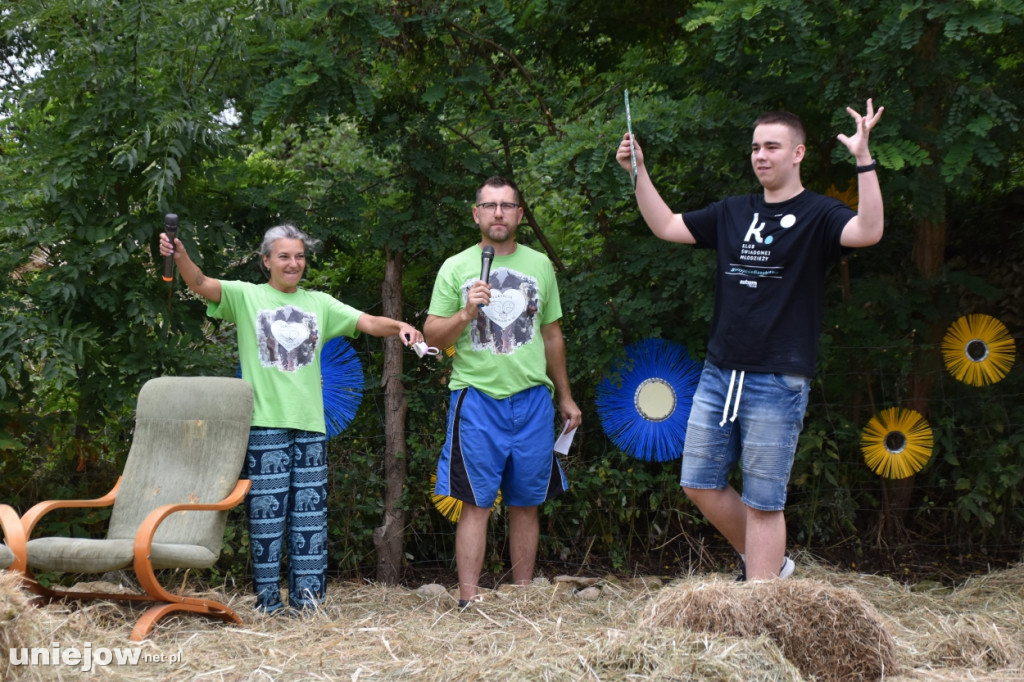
{"x": 753, "y": 419}
{"x": 505, "y": 444}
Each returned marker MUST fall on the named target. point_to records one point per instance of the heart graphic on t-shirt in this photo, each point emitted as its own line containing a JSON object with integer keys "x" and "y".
{"x": 505, "y": 307}
{"x": 290, "y": 335}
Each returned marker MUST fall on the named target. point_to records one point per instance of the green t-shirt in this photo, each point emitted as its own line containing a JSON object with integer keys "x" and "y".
{"x": 501, "y": 352}
{"x": 279, "y": 340}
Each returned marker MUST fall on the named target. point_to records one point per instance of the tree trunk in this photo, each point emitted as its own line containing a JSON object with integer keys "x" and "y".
{"x": 389, "y": 536}
{"x": 929, "y": 253}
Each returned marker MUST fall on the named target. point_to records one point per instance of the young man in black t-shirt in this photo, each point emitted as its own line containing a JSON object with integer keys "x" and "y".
{"x": 773, "y": 249}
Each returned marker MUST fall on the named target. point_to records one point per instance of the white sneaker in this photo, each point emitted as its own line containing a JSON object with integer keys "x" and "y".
{"x": 788, "y": 566}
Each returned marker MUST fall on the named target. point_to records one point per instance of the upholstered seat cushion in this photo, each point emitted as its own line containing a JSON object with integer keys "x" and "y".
{"x": 84, "y": 555}
{"x": 6, "y": 556}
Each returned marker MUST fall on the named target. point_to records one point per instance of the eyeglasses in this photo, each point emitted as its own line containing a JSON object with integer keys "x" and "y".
{"x": 491, "y": 206}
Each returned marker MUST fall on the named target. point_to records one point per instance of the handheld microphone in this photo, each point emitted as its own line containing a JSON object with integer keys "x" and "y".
{"x": 171, "y": 230}
{"x": 486, "y": 256}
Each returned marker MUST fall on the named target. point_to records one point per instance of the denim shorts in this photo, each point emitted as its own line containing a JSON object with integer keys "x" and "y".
{"x": 748, "y": 418}
{"x": 502, "y": 444}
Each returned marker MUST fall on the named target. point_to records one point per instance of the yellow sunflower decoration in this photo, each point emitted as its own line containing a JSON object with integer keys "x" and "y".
{"x": 848, "y": 196}
{"x": 896, "y": 443}
{"x": 978, "y": 350}
{"x": 450, "y": 507}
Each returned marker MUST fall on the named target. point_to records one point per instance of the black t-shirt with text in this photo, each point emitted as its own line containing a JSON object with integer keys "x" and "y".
{"x": 770, "y": 282}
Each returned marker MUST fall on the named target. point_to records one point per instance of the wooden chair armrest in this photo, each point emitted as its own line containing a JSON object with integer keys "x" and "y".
{"x": 32, "y": 516}
{"x": 144, "y": 536}
{"x": 14, "y": 535}
{"x": 147, "y": 529}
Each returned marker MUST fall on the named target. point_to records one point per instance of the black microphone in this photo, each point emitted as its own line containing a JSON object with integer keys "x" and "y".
{"x": 171, "y": 230}
{"x": 486, "y": 256}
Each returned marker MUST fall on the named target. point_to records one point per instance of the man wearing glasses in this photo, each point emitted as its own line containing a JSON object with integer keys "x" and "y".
{"x": 509, "y": 363}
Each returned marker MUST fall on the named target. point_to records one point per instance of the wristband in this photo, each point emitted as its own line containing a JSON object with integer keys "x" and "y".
{"x": 869, "y": 167}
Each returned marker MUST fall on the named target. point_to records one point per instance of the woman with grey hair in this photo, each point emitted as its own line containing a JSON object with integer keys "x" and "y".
{"x": 281, "y": 328}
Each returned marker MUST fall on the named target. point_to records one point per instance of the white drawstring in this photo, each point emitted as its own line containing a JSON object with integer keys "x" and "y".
{"x": 739, "y": 392}
{"x": 728, "y": 398}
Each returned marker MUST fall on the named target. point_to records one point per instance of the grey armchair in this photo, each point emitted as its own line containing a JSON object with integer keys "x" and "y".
{"x": 170, "y": 503}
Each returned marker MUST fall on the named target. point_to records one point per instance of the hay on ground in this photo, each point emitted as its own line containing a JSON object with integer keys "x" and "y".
{"x": 828, "y": 633}
{"x": 548, "y": 631}
{"x": 20, "y": 624}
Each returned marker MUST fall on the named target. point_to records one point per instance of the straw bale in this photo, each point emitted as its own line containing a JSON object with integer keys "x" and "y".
{"x": 828, "y": 633}
{"x": 680, "y": 654}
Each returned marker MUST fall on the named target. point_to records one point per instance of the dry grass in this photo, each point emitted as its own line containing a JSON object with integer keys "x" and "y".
{"x": 826, "y": 625}
{"x": 20, "y": 626}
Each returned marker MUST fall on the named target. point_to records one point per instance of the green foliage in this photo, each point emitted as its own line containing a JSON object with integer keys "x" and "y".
{"x": 979, "y": 453}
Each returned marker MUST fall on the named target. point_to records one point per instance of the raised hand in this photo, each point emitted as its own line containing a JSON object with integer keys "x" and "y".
{"x": 858, "y": 143}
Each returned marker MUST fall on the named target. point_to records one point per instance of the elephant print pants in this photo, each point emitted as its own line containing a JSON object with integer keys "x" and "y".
{"x": 287, "y": 504}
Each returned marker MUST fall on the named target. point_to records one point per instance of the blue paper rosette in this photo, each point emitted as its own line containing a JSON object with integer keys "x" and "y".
{"x": 644, "y": 402}
{"x": 342, "y": 376}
